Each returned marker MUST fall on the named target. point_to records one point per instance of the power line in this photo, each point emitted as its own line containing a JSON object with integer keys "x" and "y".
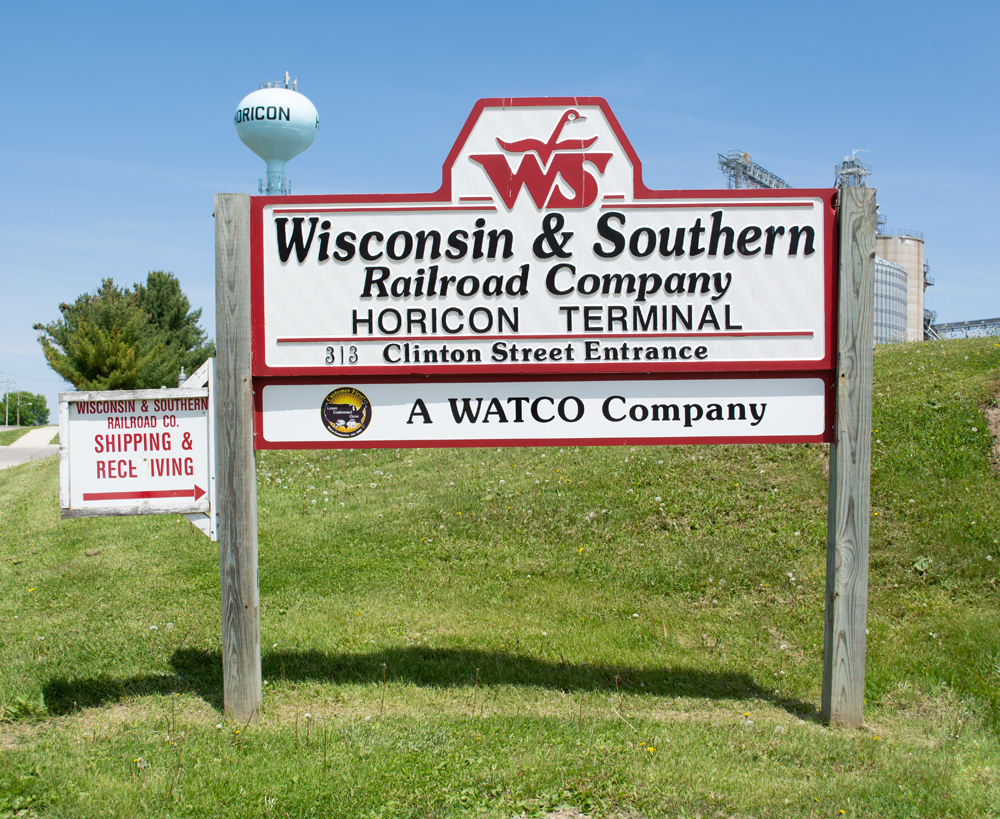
{"x": 33, "y": 378}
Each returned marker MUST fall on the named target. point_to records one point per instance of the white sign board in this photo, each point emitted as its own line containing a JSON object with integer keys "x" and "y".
{"x": 543, "y": 253}
{"x": 520, "y": 413}
{"x": 134, "y": 452}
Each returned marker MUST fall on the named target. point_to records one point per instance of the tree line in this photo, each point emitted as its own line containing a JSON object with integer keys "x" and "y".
{"x": 26, "y": 409}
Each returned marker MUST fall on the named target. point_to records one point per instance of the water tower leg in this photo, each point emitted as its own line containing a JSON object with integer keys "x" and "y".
{"x": 236, "y": 479}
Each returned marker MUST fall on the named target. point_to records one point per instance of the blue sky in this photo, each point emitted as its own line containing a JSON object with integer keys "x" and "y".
{"x": 117, "y": 126}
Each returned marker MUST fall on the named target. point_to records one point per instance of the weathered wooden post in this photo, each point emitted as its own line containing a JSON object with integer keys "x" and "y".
{"x": 236, "y": 473}
{"x": 850, "y": 466}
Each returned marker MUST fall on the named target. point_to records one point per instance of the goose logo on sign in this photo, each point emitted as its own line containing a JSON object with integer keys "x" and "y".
{"x": 542, "y": 166}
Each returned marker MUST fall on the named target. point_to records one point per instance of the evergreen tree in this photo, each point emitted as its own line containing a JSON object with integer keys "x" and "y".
{"x": 175, "y": 325}
{"x": 122, "y": 339}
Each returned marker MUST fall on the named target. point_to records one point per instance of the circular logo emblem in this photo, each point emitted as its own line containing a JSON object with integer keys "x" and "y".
{"x": 346, "y": 412}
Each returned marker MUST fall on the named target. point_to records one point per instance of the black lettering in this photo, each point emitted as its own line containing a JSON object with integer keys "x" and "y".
{"x": 496, "y": 409}
{"x": 748, "y": 236}
{"x": 772, "y": 232}
{"x": 605, "y": 231}
{"x": 550, "y": 279}
{"x": 345, "y": 246}
{"x": 301, "y": 247}
{"x": 717, "y": 233}
{"x": 458, "y": 247}
{"x": 606, "y": 407}
{"x": 696, "y": 233}
{"x": 678, "y": 248}
{"x": 793, "y": 240}
{"x": 435, "y": 240}
{"x": 466, "y": 411}
{"x": 494, "y": 242}
{"x": 390, "y": 246}
{"x": 364, "y": 249}
{"x": 419, "y": 408}
{"x": 646, "y": 233}
{"x": 371, "y": 281}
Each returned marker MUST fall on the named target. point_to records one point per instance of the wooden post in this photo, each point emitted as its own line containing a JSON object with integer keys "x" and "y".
{"x": 850, "y": 466}
{"x": 236, "y": 487}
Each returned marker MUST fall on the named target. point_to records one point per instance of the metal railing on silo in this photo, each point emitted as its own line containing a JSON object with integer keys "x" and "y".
{"x": 890, "y": 302}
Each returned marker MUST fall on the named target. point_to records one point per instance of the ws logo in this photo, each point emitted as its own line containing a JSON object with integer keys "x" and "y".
{"x": 542, "y": 164}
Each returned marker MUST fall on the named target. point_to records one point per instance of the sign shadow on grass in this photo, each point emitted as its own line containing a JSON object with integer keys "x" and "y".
{"x": 200, "y": 672}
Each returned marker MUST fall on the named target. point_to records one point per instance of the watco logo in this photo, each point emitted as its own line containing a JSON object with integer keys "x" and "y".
{"x": 542, "y": 164}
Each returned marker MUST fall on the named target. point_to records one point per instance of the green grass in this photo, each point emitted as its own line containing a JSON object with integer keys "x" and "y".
{"x": 8, "y": 436}
{"x": 630, "y": 632}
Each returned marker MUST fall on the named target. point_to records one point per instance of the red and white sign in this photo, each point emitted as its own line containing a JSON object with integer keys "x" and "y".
{"x": 542, "y": 253}
{"x": 134, "y": 452}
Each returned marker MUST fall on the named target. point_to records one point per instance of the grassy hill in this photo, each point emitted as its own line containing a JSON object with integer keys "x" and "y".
{"x": 631, "y": 632}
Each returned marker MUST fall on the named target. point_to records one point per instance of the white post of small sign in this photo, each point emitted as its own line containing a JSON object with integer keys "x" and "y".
{"x": 850, "y": 467}
{"x": 204, "y": 376}
{"x": 236, "y": 476}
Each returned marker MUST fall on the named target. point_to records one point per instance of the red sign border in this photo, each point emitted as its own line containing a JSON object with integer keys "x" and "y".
{"x": 260, "y": 369}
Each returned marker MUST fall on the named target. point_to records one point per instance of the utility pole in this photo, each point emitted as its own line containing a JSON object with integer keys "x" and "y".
{"x": 6, "y": 403}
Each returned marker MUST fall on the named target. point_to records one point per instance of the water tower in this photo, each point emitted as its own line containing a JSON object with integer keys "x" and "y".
{"x": 277, "y": 123}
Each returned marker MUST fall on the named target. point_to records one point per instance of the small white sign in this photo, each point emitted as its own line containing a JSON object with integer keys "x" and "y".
{"x": 520, "y": 413}
{"x": 134, "y": 452}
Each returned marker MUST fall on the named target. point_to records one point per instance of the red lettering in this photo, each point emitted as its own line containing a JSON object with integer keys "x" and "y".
{"x": 541, "y": 184}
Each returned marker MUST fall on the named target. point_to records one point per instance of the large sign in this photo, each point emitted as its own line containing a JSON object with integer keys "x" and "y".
{"x": 134, "y": 452}
{"x": 543, "y": 252}
{"x": 542, "y": 256}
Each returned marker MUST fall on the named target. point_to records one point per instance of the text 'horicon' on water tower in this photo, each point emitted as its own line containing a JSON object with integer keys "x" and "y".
{"x": 277, "y": 123}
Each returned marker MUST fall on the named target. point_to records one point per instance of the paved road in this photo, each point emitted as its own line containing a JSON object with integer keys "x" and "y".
{"x": 29, "y": 447}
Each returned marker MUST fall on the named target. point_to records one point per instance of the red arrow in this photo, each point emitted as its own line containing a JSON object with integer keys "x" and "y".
{"x": 195, "y": 493}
